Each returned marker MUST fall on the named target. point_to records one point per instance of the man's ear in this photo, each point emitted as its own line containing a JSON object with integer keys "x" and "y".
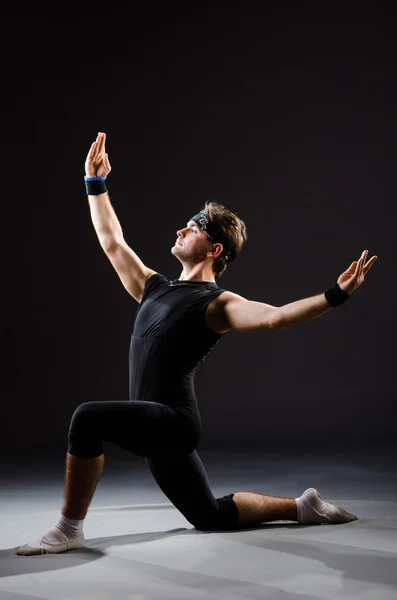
{"x": 216, "y": 250}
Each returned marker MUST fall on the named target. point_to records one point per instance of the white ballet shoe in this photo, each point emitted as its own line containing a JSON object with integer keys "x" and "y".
{"x": 44, "y": 547}
{"x": 316, "y": 510}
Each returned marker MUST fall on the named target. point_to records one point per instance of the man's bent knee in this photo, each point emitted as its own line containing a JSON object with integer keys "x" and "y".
{"x": 84, "y": 439}
{"x": 224, "y": 517}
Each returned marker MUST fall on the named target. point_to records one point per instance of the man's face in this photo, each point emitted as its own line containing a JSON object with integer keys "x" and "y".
{"x": 192, "y": 243}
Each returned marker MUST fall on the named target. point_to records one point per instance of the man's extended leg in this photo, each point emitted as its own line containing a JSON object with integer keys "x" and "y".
{"x": 185, "y": 482}
{"x": 255, "y": 508}
{"x": 309, "y": 508}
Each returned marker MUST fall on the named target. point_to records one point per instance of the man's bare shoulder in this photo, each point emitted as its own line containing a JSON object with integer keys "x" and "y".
{"x": 215, "y": 316}
{"x": 228, "y": 296}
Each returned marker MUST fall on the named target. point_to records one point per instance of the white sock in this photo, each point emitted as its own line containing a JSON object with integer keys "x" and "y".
{"x": 311, "y": 508}
{"x": 70, "y": 527}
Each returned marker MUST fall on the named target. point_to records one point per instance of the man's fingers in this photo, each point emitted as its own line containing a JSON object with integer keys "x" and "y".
{"x": 101, "y": 142}
{"x": 360, "y": 268}
{"x": 361, "y": 262}
{"x": 97, "y": 147}
{"x": 91, "y": 150}
{"x": 369, "y": 264}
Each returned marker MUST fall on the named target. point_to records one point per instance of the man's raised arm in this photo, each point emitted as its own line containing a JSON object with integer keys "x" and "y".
{"x": 240, "y": 314}
{"x": 129, "y": 267}
{"x": 310, "y": 308}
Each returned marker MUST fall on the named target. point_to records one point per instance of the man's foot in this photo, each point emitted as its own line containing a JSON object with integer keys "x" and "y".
{"x": 54, "y": 542}
{"x": 313, "y": 509}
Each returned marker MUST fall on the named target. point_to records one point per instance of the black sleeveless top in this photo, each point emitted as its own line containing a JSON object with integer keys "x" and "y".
{"x": 169, "y": 340}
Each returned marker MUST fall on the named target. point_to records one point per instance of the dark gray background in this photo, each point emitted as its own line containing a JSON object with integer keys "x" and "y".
{"x": 288, "y": 117}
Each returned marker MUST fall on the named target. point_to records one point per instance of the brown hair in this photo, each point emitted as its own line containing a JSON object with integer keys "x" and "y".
{"x": 234, "y": 232}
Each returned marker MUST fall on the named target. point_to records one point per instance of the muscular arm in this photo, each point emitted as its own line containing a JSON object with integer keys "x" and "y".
{"x": 105, "y": 221}
{"x": 129, "y": 267}
{"x": 301, "y": 311}
{"x": 241, "y": 314}
{"x": 235, "y": 312}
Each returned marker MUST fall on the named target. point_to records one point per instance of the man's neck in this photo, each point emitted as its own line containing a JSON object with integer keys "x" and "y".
{"x": 196, "y": 275}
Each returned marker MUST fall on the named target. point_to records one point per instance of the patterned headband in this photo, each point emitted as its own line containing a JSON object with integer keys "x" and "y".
{"x": 213, "y": 231}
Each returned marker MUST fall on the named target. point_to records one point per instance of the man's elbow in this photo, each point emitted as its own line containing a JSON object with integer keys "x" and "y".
{"x": 273, "y": 319}
{"x": 109, "y": 243}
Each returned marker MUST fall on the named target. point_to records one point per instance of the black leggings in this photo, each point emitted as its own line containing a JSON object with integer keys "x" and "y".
{"x": 168, "y": 441}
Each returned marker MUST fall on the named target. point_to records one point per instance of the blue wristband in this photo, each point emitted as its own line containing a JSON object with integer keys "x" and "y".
{"x": 95, "y": 185}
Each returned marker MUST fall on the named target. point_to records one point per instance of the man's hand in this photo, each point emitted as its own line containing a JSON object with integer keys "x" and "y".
{"x": 97, "y": 162}
{"x": 351, "y": 279}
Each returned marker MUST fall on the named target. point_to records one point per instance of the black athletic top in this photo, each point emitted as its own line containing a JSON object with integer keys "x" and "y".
{"x": 169, "y": 340}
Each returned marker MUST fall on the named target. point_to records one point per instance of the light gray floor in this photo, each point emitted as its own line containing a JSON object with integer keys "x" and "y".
{"x": 139, "y": 547}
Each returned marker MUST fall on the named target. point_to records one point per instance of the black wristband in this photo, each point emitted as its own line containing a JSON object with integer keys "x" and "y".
{"x": 336, "y": 296}
{"x": 94, "y": 187}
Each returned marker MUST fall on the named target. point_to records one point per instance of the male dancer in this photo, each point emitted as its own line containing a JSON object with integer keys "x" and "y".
{"x": 177, "y": 324}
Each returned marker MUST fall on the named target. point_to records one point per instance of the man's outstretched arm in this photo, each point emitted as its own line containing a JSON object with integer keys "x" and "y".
{"x": 129, "y": 267}
{"x": 240, "y": 314}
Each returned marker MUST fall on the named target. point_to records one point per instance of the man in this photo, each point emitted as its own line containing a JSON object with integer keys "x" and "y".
{"x": 176, "y": 325}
